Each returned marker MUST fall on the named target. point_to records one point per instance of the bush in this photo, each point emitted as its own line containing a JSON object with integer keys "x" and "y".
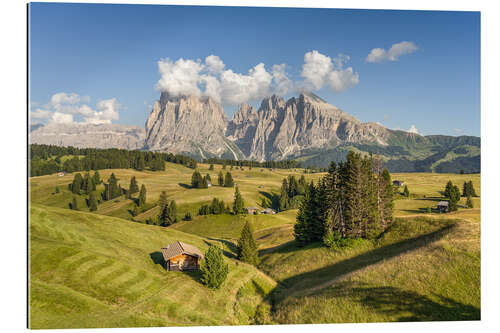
{"x": 334, "y": 240}
{"x": 214, "y": 270}
{"x": 188, "y": 217}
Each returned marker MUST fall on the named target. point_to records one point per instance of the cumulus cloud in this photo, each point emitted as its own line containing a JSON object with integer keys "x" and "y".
{"x": 64, "y": 106}
{"x": 61, "y": 118}
{"x": 413, "y": 130}
{"x": 319, "y": 70}
{"x": 393, "y": 54}
{"x": 41, "y": 114}
{"x": 211, "y": 77}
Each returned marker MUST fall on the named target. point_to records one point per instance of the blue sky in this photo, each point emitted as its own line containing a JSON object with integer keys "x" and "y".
{"x": 105, "y": 57}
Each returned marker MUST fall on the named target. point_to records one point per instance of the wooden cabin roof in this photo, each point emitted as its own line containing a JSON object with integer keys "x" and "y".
{"x": 174, "y": 249}
{"x": 443, "y": 203}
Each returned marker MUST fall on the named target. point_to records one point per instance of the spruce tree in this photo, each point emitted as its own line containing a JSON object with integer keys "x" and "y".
{"x": 469, "y": 203}
{"x": 454, "y": 198}
{"x": 221, "y": 179}
{"x": 247, "y": 247}
{"x": 74, "y": 204}
{"x": 97, "y": 178}
{"x": 142, "y": 196}
{"x": 211, "y": 167}
{"x": 196, "y": 180}
{"x": 172, "y": 212}
{"x": 213, "y": 268}
{"x": 92, "y": 202}
{"x": 163, "y": 204}
{"x": 472, "y": 191}
{"x": 406, "y": 192}
{"x": 284, "y": 199}
{"x": 447, "y": 189}
{"x": 238, "y": 204}
{"x": 133, "y": 188}
{"x": 140, "y": 163}
{"x": 207, "y": 177}
{"x": 57, "y": 189}
{"x": 228, "y": 181}
{"x": 76, "y": 186}
{"x": 187, "y": 216}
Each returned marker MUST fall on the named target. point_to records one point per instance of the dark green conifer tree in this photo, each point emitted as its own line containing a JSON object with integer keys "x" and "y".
{"x": 228, "y": 180}
{"x": 454, "y": 198}
{"x": 76, "y": 186}
{"x": 211, "y": 167}
{"x": 284, "y": 199}
{"x": 142, "y": 196}
{"x": 74, "y": 204}
{"x": 238, "y": 204}
{"x": 163, "y": 205}
{"x": 406, "y": 192}
{"x": 92, "y": 202}
{"x": 97, "y": 178}
{"x": 447, "y": 189}
{"x": 247, "y": 247}
{"x": 134, "y": 187}
{"x": 221, "y": 179}
{"x": 213, "y": 268}
{"x": 469, "y": 203}
{"x": 196, "y": 180}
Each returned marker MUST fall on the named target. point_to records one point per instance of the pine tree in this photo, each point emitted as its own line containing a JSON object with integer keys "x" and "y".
{"x": 112, "y": 189}
{"x": 447, "y": 189}
{"x": 454, "y": 198}
{"x": 92, "y": 202}
{"x": 187, "y": 217}
{"x": 213, "y": 268}
{"x": 284, "y": 199}
{"x": 97, "y": 178}
{"x": 247, "y": 247}
{"x": 238, "y": 204}
{"x": 196, "y": 180}
{"x": 224, "y": 166}
{"x": 221, "y": 179}
{"x": 406, "y": 192}
{"x": 472, "y": 191}
{"x": 140, "y": 163}
{"x": 74, "y": 204}
{"x": 135, "y": 211}
{"x": 133, "y": 188}
{"x": 163, "y": 204}
{"x": 57, "y": 189}
{"x": 228, "y": 181}
{"x": 386, "y": 199}
{"x": 211, "y": 167}
{"x": 469, "y": 203}
{"x": 204, "y": 183}
{"x": 172, "y": 213}
{"x": 76, "y": 186}
{"x": 142, "y": 196}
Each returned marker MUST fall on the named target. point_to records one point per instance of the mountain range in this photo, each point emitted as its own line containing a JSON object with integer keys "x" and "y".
{"x": 305, "y": 128}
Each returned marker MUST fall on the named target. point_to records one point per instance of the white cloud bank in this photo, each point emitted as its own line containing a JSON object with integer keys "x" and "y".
{"x": 63, "y": 106}
{"x": 211, "y": 78}
{"x": 380, "y": 55}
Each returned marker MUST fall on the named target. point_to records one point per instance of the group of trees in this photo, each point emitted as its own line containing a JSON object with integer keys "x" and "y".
{"x": 452, "y": 193}
{"x": 168, "y": 211}
{"x": 292, "y": 192}
{"x": 287, "y": 164}
{"x": 216, "y": 207}
{"x": 199, "y": 181}
{"x": 85, "y": 185}
{"x": 47, "y": 159}
{"x": 354, "y": 200}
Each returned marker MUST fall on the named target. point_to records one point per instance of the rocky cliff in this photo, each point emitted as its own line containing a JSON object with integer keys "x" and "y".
{"x": 89, "y": 135}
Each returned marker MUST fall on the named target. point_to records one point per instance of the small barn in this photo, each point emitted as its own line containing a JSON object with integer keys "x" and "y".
{"x": 398, "y": 183}
{"x": 180, "y": 256}
{"x": 61, "y": 174}
{"x": 268, "y": 211}
{"x": 252, "y": 210}
{"x": 443, "y": 206}
{"x": 209, "y": 183}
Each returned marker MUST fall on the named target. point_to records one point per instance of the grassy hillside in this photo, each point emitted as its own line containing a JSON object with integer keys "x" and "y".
{"x": 422, "y": 269}
{"x": 88, "y": 270}
{"x": 103, "y": 270}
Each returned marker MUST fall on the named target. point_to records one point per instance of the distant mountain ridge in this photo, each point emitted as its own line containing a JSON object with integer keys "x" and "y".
{"x": 305, "y": 128}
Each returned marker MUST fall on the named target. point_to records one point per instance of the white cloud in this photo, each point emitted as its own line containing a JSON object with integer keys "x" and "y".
{"x": 396, "y": 50}
{"x": 41, "y": 114}
{"x": 413, "y": 130}
{"x": 211, "y": 78}
{"x": 107, "y": 112}
{"x": 319, "y": 69}
{"x": 215, "y": 65}
{"x": 63, "y": 106}
{"x": 61, "y": 118}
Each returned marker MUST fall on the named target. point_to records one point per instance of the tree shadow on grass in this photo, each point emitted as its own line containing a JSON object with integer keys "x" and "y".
{"x": 230, "y": 245}
{"x": 185, "y": 185}
{"x": 306, "y": 280}
{"x": 273, "y": 199}
{"x": 404, "y": 305}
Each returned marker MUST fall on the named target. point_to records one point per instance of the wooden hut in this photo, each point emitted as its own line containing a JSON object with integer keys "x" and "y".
{"x": 251, "y": 210}
{"x": 180, "y": 256}
{"x": 398, "y": 183}
{"x": 443, "y": 206}
{"x": 268, "y": 211}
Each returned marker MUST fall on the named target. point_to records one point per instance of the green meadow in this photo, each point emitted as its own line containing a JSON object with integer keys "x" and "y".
{"x": 103, "y": 269}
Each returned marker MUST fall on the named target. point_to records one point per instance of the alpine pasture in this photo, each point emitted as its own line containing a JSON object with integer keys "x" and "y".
{"x": 104, "y": 268}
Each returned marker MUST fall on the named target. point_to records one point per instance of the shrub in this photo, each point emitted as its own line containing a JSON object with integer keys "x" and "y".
{"x": 334, "y": 240}
{"x": 214, "y": 270}
{"x": 187, "y": 216}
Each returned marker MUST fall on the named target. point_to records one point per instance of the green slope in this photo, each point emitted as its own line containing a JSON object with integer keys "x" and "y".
{"x": 89, "y": 270}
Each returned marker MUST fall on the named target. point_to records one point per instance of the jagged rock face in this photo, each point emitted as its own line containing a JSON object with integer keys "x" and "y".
{"x": 280, "y": 129}
{"x": 89, "y": 136}
{"x": 187, "y": 124}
